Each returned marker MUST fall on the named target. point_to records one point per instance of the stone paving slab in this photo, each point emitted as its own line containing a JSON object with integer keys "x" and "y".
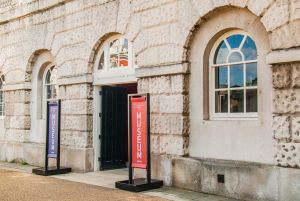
{"x": 107, "y": 179}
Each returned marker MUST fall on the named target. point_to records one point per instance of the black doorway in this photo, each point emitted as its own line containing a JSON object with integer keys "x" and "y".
{"x": 114, "y": 126}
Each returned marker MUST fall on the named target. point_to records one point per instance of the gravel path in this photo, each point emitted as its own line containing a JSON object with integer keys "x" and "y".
{"x": 18, "y": 186}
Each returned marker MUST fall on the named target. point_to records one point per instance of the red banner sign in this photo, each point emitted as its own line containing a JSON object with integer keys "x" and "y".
{"x": 139, "y": 132}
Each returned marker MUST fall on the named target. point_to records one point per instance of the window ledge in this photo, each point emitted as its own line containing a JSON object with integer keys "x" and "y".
{"x": 233, "y": 119}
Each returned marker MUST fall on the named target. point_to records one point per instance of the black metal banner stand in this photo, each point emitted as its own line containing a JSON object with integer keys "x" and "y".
{"x": 139, "y": 184}
{"x": 46, "y": 171}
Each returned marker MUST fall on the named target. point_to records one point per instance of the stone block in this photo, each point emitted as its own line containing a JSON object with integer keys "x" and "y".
{"x": 17, "y": 135}
{"x": 277, "y": 15}
{"x": 169, "y": 124}
{"x": 17, "y": 109}
{"x": 154, "y": 104}
{"x": 143, "y": 85}
{"x": 296, "y": 75}
{"x": 204, "y": 7}
{"x": 174, "y": 145}
{"x": 286, "y": 101}
{"x": 296, "y": 129}
{"x": 174, "y": 104}
{"x": 179, "y": 84}
{"x": 186, "y": 173}
{"x": 258, "y": 6}
{"x": 77, "y": 139}
{"x": 295, "y": 9}
{"x": 77, "y": 122}
{"x": 77, "y": 107}
{"x": 289, "y": 184}
{"x": 286, "y": 36}
{"x": 161, "y": 167}
{"x": 17, "y": 96}
{"x": 281, "y": 76}
{"x": 281, "y": 127}
{"x": 79, "y": 159}
{"x": 155, "y": 144}
{"x": 160, "y": 85}
{"x": 18, "y": 122}
{"x": 287, "y": 154}
{"x": 78, "y": 91}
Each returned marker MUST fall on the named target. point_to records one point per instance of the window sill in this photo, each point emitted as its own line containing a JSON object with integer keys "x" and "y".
{"x": 233, "y": 119}
{"x": 2, "y": 117}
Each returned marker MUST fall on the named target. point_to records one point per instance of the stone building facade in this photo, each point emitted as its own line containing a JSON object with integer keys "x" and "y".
{"x": 170, "y": 44}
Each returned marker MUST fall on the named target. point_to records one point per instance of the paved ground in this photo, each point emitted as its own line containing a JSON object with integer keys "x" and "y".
{"x": 17, "y": 184}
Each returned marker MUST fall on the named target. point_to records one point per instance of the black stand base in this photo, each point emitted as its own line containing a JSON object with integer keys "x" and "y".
{"x": 51, "y": 171}
{"x": 139, "y": 185}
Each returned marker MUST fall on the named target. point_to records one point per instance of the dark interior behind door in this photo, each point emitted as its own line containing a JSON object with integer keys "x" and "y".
{"x": 114, "y": 139}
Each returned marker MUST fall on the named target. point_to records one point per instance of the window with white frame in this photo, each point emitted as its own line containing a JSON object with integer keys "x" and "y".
{"x": 115, "y": 54}
{"x": 2, "y": 103}
{"x": 233, "y": 80}
{"x": 50, "y": 84}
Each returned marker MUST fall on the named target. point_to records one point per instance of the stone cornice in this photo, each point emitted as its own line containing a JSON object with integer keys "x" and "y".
{"x": 283, "y": 56}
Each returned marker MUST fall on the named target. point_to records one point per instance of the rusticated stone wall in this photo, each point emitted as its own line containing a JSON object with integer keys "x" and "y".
{"x": 286, "y": 121}
{"x": 169, "y": 113}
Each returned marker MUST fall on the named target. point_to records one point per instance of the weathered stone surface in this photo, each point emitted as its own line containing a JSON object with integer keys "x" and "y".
{"x": 296, "y": 128}
{"x": 77, "y": 107}
{"x": 174, "y": 104}
{"x": 281, "y": 127}
{"x": 174, "y": 145}
{"x": 81, "y": 91}
{"x": 17, "y": 109}
{"x": 296, "y": 75}
{"x": 276, "y": 15}
{"x": 169, "y": 124}
{"x": 286, "y": 36}
{"x": 287, "y": 154}
{"x": 17, "y": 122}
{"x": 295, "y": 9}
{"x": 77, "y": 139}
{"x": 281, "y": 76}
{"x": 258, "y": 6}
{"x": 286, "y": 101}
{"x": 160, "y": 85}
{"x": 77, "y": 123}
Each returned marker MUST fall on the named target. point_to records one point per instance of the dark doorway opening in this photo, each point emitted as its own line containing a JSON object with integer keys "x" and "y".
{"x": 114, "y": 125}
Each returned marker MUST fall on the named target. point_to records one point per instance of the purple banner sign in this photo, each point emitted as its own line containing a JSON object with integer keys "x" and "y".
{"x": 53, "y": 119}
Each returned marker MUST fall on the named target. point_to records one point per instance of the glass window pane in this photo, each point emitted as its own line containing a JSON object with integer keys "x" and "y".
{"x": 48, "y": 77}
{"x": 118, "y": 53}
{"x": 54, "y": 90}
{"x": 123, "y": 58}
{"x": 251, "y": 100}
{"x": 1, "y": 96}
{"x": 235, "y": 57}
{"x": 249, "y": 49}
{"x": 236, "y": 76}
{"x": 221, "y": 54}
{"x": 221, "y": 102}
{"x": 48, "y": 92}
{"x": 101, "y": 62}
{"x": 237, "y": 101}
{"x": 235, "y": 40}
{"x": 251, "y": 74}
{"x": 221, "y": 77}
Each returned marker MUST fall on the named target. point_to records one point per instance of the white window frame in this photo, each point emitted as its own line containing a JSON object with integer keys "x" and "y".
{"x": 44, "y": 98}
{"x": 230, "y": 116}
{"x": 2, "y": 104}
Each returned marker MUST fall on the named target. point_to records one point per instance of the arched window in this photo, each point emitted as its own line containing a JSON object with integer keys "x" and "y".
{"x": 50, "y": 84}
{"x": 233, "y": 80}
{"x": 115, "y": 54}
{"x": 2, "y": 103}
